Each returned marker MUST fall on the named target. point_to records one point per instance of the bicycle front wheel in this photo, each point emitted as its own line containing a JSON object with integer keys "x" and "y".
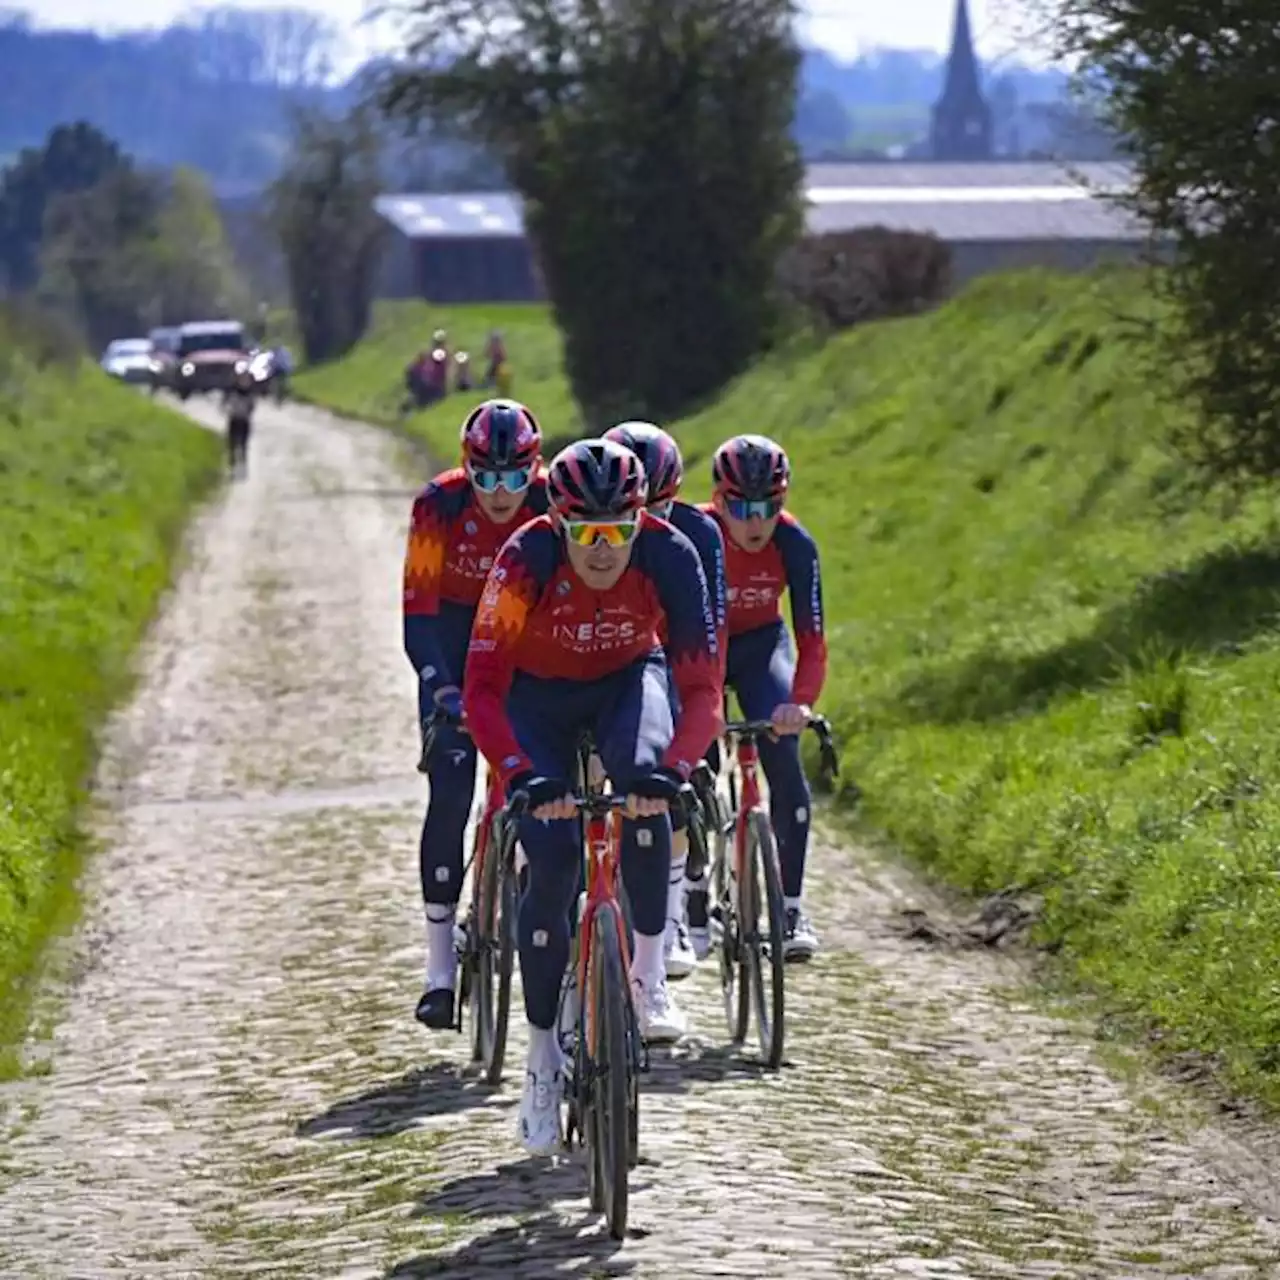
{"x": 609, "y": 1125}
{"x": 494, "y": 950}
{"x": 763, "y": 961}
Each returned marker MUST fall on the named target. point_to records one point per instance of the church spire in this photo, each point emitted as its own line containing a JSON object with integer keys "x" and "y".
{"x": 961, "y": 117}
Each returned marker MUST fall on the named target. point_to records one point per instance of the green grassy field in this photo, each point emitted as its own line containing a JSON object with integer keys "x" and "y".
{"x": 368, "y": 383}
{"x": 95, "y": 484}
{"x": 1054, "y": 666}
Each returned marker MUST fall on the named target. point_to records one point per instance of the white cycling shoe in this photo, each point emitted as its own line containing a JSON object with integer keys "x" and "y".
{"x": 677, "y": 953}
{"x": 541, "y": 1133}
{"x": 661, "y": 1019}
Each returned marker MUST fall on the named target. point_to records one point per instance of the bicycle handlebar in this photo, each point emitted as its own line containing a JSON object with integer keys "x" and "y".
{"x": 821, "y": 726}
{"x": 597, "y": 804}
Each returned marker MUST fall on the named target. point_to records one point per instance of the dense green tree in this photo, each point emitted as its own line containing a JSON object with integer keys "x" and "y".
{"x": 1192, "y": 89}
{"x": 74, "y": 158}
{"x": 652, "y": 144}
{"x": 137, "y": 250}
{"x": 322, "y": 209}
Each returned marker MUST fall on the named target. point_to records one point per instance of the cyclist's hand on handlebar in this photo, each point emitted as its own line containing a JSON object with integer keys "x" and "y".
{"x": 550, "y": 799}
{"x": 789, "y": 718}
{"x": 449, "y": 700}
{"x": 651, "y": 796}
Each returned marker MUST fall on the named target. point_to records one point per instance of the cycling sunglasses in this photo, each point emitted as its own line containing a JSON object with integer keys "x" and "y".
{"x": 512, "y": 479}
{"x": 614, "y": 533}
{"x": 745, "y": 508}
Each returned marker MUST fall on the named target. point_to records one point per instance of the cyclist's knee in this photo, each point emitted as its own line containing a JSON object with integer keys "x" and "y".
{"x": 553, "y": 861}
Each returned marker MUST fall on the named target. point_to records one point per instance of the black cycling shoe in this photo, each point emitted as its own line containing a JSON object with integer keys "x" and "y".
{"x": 435, "y": 1009}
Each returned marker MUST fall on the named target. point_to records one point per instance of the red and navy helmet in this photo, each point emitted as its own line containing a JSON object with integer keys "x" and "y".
{"x": 596, "y": 480}
{"x": 751, "y": 467}
{"x": 658, "y": 453}
{"x": 500, "y": 433}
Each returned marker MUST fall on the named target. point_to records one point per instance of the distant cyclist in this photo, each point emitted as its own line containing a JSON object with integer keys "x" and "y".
{"x": 459, "y": 521}
{"x": 566, "y": 640}
{"x": 685, "y": 943}
{"x": 239, "y": 401}
{"x": 767, "y": 552}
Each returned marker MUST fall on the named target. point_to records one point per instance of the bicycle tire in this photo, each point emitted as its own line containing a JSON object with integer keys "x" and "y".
{"x": 723, "y": 903}
{"x": 610, "y": 1121}
{"x": 767, "y": 952}
{"x": 494, "y": 955}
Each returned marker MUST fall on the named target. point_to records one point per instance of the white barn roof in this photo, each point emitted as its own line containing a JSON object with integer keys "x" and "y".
{"x": 991, "y": 202}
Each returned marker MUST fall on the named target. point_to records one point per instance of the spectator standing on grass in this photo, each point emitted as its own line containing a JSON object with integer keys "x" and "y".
{"x": 496, "y": 353}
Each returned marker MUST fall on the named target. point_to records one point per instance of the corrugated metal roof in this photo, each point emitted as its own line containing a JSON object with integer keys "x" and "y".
{"x": 995, "y": 173}
{"x": 1010, "y": 201}
{"x": 488, "y": 213}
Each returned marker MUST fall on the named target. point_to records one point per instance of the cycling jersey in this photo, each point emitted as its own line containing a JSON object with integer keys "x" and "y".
{"x": 452, "y": 546}
{"x": 754, "y": 583}
{"x": 539, "y": 618}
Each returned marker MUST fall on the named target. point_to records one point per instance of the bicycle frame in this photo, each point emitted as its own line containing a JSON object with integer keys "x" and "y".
{"x": 747, "y": 754}
{"x": 603, "y": 836}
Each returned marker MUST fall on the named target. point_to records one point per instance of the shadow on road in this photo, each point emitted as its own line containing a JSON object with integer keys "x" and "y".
{"x": 434, "y": 1090}
{"x": 579, "y": 1247}
{"x": 686, "y": 1066}
{"x": 520, "y": 1186}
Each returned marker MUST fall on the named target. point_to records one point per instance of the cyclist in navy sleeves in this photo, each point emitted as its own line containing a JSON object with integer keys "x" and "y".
{"x": 459, "y": 521}
{"x": 768, "y": 551}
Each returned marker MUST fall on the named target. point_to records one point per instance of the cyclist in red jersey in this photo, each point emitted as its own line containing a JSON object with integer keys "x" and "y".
{"x": 459, "y": 521}
{"x": 566, "y": 639}
{"x": 767, "y": 552}
{"x": 688, "y": 934}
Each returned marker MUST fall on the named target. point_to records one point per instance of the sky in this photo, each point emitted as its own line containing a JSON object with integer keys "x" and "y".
{"x": 846, "y": 27}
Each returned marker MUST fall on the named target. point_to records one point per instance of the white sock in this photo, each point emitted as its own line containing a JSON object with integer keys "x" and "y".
{"x": 544, "y": 1050}
{"x": 791, "y": 904}
{"x": 647, "y": 962}
{"x": 675, "y": 888}
{"x": 441, "y": 958}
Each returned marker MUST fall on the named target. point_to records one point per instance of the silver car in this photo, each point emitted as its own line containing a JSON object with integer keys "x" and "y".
{"x": 128, "y": 359}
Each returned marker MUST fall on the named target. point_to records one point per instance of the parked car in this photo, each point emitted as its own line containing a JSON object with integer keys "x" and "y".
{"x": 164, "y": 358}
{"x": 128, "y": 359}
{"x": 209, "y": 355}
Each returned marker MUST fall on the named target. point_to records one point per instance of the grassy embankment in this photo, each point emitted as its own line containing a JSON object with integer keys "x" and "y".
{"x": 368, "y": 383}
{"x": 95, "y": 485}
{"x": 1053, "y": 666}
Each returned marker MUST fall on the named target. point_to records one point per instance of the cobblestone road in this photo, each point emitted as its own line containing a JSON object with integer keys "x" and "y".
{"x": 234, "y": 1086}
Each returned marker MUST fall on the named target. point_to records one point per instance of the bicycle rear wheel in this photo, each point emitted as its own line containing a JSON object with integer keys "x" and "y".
{"x": 609, "y": 1063}
{"x": 764, "y": 966}
{"x": 494, "y": 952}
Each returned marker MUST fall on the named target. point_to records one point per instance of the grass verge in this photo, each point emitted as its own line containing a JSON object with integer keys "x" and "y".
{"x": 368, "y": 382}
{"x": 1055, "y": 666}
{"x": 95, "y": 487}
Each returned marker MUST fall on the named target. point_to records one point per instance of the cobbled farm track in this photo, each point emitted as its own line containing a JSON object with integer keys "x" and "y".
{"x": 226, "y": 1079}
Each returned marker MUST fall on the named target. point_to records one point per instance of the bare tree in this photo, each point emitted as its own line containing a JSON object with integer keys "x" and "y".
{"x": 285, "y": 47}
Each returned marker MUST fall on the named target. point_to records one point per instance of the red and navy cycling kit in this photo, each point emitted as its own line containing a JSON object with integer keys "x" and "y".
{"x": 764, "y": 669}
{"x": 452, "y": 547}
{"x": 549, "y": 658}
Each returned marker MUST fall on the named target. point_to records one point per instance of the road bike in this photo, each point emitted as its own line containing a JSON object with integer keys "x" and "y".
{"x": 607, "y": 1055}
{"x": 485, "y": 941}
{"x": 746, "y": 888}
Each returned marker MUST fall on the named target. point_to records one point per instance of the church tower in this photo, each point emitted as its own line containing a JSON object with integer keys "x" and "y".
{"x": 961, "y": 128}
